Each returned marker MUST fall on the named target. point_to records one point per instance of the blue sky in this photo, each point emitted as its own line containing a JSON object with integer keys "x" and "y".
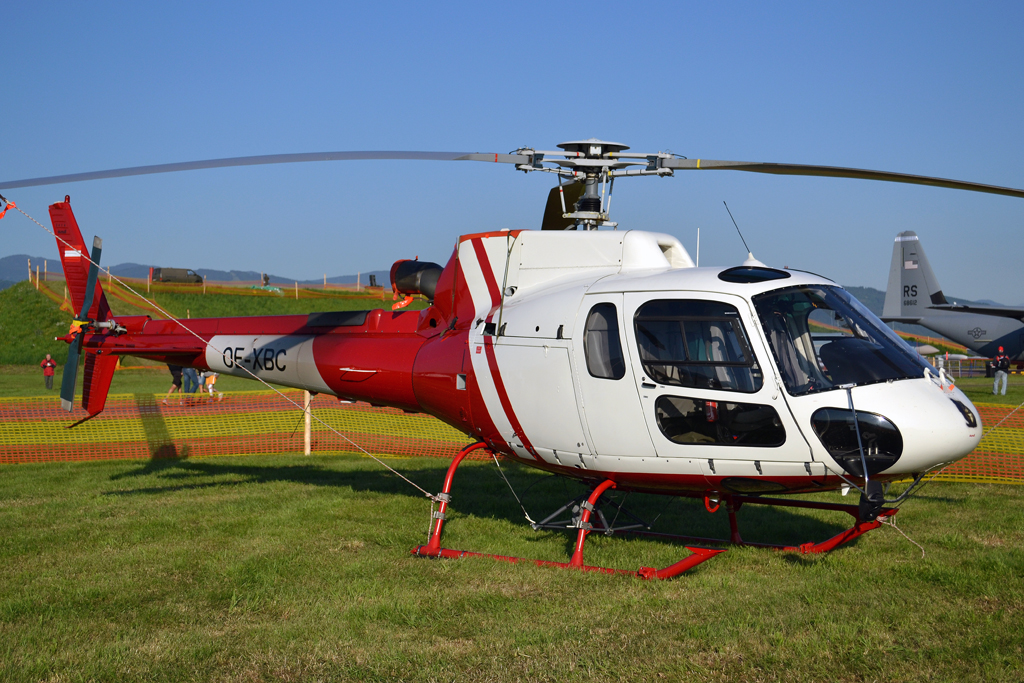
{"x": 926, "y": 88}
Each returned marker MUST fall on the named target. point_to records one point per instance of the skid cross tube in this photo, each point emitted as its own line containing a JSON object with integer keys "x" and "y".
{"x": 433, "y": 547}
{"x": 584, "y": 523}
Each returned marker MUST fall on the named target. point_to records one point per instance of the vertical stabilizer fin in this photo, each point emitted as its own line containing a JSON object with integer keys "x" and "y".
{"x": 912, "y": 286}
{"x": 99, "y": 371}
{"x": 73, "y": 254}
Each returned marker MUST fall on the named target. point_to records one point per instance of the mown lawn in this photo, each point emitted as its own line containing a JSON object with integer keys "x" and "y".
{"x": 292, "y": 568}
{"x": 979, "y": 390}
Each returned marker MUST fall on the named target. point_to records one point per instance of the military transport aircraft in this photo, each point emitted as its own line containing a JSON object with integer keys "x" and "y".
{"x": 606, "y": 356}
{"x": 913, "y": 296}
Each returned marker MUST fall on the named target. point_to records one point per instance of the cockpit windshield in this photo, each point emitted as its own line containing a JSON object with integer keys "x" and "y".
{"x": 823, "y": 338}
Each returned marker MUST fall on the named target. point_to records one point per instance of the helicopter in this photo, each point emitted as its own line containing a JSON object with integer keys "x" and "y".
{"x": 605, "y": 356}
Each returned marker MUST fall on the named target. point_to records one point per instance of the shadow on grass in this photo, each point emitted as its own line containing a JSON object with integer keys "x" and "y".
{"x": 480, "y": 491}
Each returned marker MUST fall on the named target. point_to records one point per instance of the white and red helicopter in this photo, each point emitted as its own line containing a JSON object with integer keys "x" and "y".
{"x": 602, "y": 355}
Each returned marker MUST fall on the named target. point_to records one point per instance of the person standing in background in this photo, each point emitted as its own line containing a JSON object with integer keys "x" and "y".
{"x": 191, "y": 381}
{"x": 48, "y": 365}
{"x": 1002, "y": 363}
{"x": 175, "y": 380}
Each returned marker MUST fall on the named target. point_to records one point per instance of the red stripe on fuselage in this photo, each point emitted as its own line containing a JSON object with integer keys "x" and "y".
{"x": 492, "y": 361}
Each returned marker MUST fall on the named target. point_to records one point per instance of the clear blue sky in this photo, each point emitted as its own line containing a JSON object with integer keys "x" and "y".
{"x": 932, "y": 88}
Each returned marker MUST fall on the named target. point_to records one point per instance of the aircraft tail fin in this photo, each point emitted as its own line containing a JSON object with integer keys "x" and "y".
{"x": 912, "y": 285}
{"x": 73, "y": 258}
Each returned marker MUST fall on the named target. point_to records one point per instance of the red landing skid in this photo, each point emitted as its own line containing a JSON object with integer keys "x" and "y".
{"x": 734, "y": 502}
{"x": 698, "y": 555}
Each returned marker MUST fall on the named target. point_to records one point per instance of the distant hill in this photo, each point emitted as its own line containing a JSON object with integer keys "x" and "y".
{"x": 15, "y": 268}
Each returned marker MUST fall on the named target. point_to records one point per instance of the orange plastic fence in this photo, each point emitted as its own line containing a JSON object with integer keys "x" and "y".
{"x": 141, "y": 426}
{"x": 999, "y": 458}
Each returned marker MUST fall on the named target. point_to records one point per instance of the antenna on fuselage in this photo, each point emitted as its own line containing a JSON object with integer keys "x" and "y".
{"x": 751, "y": 261}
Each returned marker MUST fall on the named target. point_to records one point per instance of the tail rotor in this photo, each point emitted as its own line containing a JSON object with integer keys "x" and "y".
{"x": 78, "y": 329}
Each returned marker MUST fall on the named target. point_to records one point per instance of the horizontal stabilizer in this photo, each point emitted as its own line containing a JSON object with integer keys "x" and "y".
{"x": 997, "y": 311}
{"x": 908, "y": 319}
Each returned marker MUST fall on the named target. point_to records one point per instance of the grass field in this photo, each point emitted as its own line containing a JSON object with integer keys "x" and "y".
{"x": 297, "y": 568}
{"x": 286, "y": 568}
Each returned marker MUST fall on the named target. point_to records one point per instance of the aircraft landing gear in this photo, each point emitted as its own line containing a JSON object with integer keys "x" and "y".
{"x": 871, "y": 502}
{"x": 582, "y": 523}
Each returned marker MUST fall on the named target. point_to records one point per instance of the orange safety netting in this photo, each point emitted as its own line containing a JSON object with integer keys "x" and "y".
{"x": 243, "y": 423}
{"x": 999, "y": 458}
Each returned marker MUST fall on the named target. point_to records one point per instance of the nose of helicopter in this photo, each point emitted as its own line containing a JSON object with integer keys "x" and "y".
{"x": 938, "y": 425}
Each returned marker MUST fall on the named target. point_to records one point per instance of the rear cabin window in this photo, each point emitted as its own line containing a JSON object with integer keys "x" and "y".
{"x": 697, "y": 421}
{"x": 695, "y": 343}
{"x": 601, "y": 343}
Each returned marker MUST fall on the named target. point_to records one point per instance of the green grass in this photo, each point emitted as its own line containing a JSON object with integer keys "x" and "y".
{"x": 28, "y": 323}
{"x": 979, "y": 390}
{"x": 291, "y": 568}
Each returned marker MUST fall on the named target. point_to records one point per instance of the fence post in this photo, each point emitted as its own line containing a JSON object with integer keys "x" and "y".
{"x": 37, "y": 276}
{"x": 325, "y": 280}
{"x": 296, "y": 291}
{"x": 307, "y": 430}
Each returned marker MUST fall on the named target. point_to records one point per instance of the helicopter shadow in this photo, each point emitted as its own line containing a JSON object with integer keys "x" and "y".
{"x": 480, "y": 490}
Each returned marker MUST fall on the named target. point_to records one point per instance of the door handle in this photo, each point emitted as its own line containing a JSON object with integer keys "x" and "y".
{"x": 648, "y": 385}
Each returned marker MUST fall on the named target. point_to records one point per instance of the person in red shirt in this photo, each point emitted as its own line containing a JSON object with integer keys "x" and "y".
{"x": 1002, "y": 363}
{"x": 48, "y": 365}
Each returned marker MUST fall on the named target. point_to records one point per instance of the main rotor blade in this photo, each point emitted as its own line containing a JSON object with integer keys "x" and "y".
{"x": 90, "y": 286}
{"x": 835, "y": 172}
{"x": 261, "y": 160}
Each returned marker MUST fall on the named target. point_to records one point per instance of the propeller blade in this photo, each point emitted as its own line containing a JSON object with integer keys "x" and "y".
{"x": 90, "y": 286}
{"x": 67, "y": 382}
{"x": 264, "y": 159}
{"x": 835, "y": 172}
{"x": 553, "y": 209}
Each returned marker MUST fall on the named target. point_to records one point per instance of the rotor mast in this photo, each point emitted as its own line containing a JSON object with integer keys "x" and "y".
{"x": 596, "y": 164}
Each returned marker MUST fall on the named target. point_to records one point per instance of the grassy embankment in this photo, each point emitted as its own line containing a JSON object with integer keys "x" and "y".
{"x": 29, "y": 321}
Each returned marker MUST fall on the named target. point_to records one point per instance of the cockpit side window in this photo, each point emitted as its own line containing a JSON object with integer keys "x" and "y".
{"x": 696, "y": 343}
{"x": 601, "y": 344}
